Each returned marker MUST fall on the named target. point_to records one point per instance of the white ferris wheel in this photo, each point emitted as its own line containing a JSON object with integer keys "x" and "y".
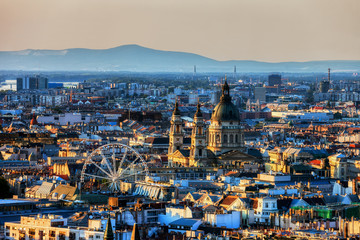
{"x": 112, "y": 164}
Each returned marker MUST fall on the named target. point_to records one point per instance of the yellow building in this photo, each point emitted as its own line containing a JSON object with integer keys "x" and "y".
{"x": 51, "y": 227}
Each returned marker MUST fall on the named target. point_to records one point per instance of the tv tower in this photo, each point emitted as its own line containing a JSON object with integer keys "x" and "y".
{"x": 234, "y": 73}
{"x": 194, "y": 74}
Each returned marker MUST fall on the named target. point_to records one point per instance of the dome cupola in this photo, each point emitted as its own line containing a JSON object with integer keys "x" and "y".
{"x": 225, "y": 110}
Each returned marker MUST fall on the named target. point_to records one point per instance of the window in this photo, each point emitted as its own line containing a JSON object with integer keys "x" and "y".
{"x": 236, "y": 138}
{"x": 177, "y": 129}
{"x": 52, "y": 233}
{"x": 266, "y": 205}
{"x": 231, "y": 138}
{"x": 225, "y": 138}
{"x": 82, "y": 118}
{"x": 200, "y": 152}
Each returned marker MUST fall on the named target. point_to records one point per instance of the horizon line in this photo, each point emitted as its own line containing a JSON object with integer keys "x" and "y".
{"x": 176, "y": 51}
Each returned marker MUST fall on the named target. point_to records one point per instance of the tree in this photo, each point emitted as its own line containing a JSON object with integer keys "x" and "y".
{"x": 337, "y": 115}
{"x": 4, "y": 189}
{"x": 326, "y": 163}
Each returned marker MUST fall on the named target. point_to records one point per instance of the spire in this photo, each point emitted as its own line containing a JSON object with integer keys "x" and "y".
{"x": 198, "y": 111}
{"x": 109, "y": 234}
{"x": 225, "y": 93}
{"x": 135, "y": 233}
{"x": 176, "y": 109}
{"x": 33, "y": 120}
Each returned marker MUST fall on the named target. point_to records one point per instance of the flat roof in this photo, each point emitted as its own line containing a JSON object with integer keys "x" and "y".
{"x": 15, "y": 201}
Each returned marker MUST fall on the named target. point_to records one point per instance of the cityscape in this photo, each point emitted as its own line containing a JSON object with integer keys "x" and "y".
{"x": 200, "y": 141}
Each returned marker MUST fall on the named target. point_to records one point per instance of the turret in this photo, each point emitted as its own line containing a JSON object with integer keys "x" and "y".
{"x": 198, "y": 137}
{"x": 176, "y": 137}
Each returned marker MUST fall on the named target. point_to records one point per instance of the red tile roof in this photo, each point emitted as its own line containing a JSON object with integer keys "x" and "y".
{"x": 229, "y": 200}
{"x": 315, "y": 162}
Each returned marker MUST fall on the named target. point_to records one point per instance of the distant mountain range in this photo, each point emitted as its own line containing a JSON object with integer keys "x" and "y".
{"x": 141, "y": 59}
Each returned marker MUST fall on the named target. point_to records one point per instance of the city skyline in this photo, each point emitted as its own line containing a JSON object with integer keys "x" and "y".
{"x": 272, "y": 31}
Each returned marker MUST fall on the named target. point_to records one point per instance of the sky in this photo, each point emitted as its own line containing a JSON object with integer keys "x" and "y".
{"x": 264, "y": 30}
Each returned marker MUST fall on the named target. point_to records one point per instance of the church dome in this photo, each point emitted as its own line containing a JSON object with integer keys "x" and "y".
{"x": 225, "y": 110}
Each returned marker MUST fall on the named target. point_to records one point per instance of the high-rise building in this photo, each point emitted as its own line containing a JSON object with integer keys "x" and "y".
{"x": 31, "y": 83}
{"x": 274, "y": 79}
{"x": 260, "y": 94}
{"x": 324, "y": 86}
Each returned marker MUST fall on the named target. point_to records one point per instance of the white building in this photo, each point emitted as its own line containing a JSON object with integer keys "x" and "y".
{"x": 301, "y": 115}
{"x": 64, "y": 119}
{"x": 265, "y": 207}
{"x": 174, "y": 213}
{"x": 48, "y": 227}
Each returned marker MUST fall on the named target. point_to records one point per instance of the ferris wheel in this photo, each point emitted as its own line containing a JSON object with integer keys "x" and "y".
{"x": 113, "y": 163}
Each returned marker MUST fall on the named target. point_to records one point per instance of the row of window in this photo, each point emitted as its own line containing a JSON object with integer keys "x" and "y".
{"x": 227, "y": 138}
{"x": 266, "y": 205}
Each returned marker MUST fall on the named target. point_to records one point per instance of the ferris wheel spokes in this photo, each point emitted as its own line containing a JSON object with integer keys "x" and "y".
{"x": 100, "y": 168}
{"x": 113, "y": 164}
{"x": 104, "y": 159}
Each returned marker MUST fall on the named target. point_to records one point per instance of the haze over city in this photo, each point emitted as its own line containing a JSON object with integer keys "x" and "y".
{"x": 179, "y": 119}
{"x": 274, "y": 31}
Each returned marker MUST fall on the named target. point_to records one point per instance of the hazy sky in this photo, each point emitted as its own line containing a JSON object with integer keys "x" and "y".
{"x": 266, "y": 30}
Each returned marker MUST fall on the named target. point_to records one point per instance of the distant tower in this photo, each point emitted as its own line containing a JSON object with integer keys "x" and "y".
{"x": 234, "y": 73}
{"x": 198, "y": 138}
{"x": 176, "y": 137}
{"x": 325, "y": 84}
{"x": 194, "y": 74}
{"x": 71, "y": 96}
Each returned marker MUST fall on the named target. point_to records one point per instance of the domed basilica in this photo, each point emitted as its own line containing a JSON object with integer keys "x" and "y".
{"x": 221, "y": 144}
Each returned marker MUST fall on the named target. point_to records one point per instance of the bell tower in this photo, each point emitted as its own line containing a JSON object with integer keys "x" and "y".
{"x": 176, "y": 136}
{"x": 198, "y": 138}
